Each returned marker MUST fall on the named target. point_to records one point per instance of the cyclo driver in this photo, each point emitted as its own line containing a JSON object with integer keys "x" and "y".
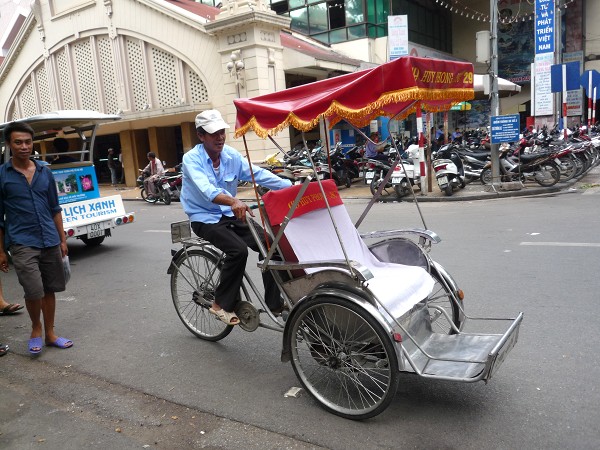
{"x": 211, "y": 172}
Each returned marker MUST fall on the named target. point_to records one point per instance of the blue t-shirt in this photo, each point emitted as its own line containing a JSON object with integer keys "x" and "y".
{"x": 27, "y": 210}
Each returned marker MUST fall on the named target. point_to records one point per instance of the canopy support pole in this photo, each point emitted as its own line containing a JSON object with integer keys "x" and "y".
{"x": 422, "y": 167}
{"x": 388, "y": 176}
{"x": 262, "y": 219}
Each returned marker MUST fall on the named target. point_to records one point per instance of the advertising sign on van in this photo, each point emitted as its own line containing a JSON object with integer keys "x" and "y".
{"x": 75, "y": 184}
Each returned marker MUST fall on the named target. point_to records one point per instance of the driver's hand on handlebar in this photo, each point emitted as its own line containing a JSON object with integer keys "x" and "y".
{"x": 240, "y": 209}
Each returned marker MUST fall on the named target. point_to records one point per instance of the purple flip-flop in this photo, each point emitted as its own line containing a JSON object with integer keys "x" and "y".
{"x": 61, "y": 342}
{"x": 35, "y": 345}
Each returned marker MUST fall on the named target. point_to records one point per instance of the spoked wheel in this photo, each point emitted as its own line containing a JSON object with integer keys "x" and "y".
{"x": 376, "y": 182}
{"x": 343, "y": 357}
{"x": 441, "y": 297}
{"x": 547, "y": 174}
{"x": 486, "y": 176}
{"x": 144, "y": 195}
{"x": 568, "y": 169}
{"x": 193, "y": 282}
{"x": 578, "y": 164}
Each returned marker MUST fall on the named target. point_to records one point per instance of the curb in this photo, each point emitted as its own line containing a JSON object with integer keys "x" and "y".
{"x": 132, "y": 194}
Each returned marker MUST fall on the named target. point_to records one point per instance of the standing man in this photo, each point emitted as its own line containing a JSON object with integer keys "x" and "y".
{"x": 31, "y": 226}
{"x": 113, "y": 164}
{"x": 211, "y": 172}
{"x": 156, "y": 170}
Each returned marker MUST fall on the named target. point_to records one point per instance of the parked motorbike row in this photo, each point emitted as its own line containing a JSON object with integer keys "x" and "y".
{"x": 543, "y": 157}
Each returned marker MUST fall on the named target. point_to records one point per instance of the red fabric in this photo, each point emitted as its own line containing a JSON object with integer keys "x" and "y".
{"x": 153, "y": 167}
{"x": 358, "y": 97}
{"x": 278, "y": 203}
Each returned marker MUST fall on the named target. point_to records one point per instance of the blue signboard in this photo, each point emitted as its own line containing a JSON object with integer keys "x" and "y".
{"x": 573, "y": 76}
{"x": 76, "y": 183}
{"x": 505, "y": 128}
{"x": 544, "y": 26}
{"x": 585, "y": 80}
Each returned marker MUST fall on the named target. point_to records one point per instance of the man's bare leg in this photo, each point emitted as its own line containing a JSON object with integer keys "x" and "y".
{"x": 34, "y": 308}
{"x": 48, "y": 310}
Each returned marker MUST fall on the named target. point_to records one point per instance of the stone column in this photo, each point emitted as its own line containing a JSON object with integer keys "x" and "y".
{"x": 248, "y": 34}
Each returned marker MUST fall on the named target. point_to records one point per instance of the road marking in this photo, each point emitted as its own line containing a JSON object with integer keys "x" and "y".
{"x": 563, "y": 244}
{"x": 157, "y": 231}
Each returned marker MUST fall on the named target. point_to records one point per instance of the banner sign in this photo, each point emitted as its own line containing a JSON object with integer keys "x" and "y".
{"x": 76, "y": 183}
{"x": 397, "y": 36}
{"x": 575, "y": 96}
{"x": 505, "y": 128}
{"x": 544, "y": 100}
{"x": 544, "y": 26}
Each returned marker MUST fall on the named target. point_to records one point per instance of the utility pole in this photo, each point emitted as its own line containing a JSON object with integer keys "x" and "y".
{"x": 495, "y": 102}
{"x": 558, "y": 100}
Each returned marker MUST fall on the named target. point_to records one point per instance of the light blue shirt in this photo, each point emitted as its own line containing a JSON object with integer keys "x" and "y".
{"x": 201, "y": 184}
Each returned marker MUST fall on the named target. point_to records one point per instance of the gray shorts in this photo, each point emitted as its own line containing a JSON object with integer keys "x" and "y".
{"x": 40, "y": 270}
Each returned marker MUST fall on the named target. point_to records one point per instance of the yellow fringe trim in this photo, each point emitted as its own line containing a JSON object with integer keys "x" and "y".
{"x": 362, "y": 117}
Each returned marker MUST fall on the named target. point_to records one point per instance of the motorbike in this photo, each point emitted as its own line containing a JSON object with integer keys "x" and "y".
{"x": 164, "y": 191}
{"x": 474, "y": 162}
{"x": 538, "y": 167}
{"x": 345, "y": 167}
{"x": 171, "y": 184}
{"x": 449, "y": 169}
{"x": 407, "y": 173}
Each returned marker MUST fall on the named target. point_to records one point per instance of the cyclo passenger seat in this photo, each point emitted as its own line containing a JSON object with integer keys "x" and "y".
{"x": 310, "y": 236}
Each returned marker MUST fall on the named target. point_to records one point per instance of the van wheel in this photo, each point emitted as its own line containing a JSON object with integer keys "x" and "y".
{"x": 93, "y": 242}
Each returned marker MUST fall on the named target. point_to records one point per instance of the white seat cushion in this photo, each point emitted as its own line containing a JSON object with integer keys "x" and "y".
{"x": 312, "y": 237}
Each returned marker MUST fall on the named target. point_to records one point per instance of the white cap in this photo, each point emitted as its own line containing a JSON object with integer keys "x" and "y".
{"x": 211, "y": 121}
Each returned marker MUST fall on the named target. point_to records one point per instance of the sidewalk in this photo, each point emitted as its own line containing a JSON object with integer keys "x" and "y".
{"x": 473, "y": 191}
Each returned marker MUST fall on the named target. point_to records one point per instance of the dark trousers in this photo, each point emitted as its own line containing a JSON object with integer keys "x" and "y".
{"x": 233, "y": 237}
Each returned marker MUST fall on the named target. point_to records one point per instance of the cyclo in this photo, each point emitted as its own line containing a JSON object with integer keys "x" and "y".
{"x": 360, "y": 314}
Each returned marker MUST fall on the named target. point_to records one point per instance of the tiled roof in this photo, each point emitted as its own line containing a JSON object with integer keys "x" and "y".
{"x": 200, "y": 9}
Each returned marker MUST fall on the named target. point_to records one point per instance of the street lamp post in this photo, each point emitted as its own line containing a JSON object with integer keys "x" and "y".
{"x": 235, "y": 68}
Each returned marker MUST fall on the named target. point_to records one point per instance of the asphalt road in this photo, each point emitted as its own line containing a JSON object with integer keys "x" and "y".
{"x": 136, "y": 378}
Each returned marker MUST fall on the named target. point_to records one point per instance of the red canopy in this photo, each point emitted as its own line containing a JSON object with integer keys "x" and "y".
{"x": 358, "y": 97}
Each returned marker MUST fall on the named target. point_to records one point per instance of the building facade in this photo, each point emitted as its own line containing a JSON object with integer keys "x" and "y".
{"x": 158, "y": 63}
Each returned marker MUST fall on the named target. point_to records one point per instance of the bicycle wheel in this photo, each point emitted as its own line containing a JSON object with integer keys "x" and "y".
{"x": 343, "y": 357}
{"x": 193, "y": 283}
{"x": 441, "y": 297}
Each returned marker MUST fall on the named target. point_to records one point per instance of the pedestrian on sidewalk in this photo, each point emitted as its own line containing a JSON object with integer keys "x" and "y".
{"x": 113, "y": 166}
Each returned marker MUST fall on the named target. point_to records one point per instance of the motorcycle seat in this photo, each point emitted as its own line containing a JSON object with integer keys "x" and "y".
{"x": 476, "y": 155}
